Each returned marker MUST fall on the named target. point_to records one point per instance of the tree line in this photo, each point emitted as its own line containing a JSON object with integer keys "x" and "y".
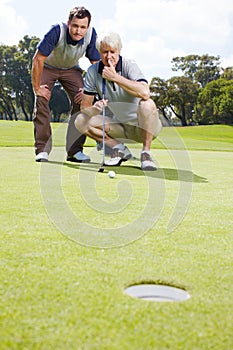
{"x": 16, "y": 93}
{"x": 200, "y": 93}
{"x": 203, "y": 94}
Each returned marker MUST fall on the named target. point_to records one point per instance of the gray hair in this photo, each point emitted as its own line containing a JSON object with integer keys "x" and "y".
{"x": 111, "y": 39}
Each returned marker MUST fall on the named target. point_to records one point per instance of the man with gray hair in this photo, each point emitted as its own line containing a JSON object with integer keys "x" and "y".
{"x": 131, "y": 113}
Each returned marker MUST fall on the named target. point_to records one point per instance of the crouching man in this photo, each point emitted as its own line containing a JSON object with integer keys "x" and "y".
{"x": 131, "y": 113}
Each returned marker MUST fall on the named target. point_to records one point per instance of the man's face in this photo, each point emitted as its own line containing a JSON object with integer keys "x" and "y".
{"x": 78, "y": 28}
{"x": 107, "y": 53}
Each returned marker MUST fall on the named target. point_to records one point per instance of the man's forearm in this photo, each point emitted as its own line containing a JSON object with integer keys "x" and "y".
{"x": 91, "y": 111}
{"x": 37, "y": 68}
{"x": 135, "y": 88}
{"x": 36, "y": 73}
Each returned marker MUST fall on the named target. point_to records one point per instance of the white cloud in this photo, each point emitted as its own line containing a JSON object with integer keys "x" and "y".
{"x": 12, "y": 26}
{"x": 227, "y": 62}
{"x": 152, "y": 31}
{"x": 152, "y": 56}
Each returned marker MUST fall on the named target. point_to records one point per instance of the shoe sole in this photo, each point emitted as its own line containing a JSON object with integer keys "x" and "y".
{"x": 118, "y": 164}
{"x": 120, "y": 161}
{"x": 42, "y": 160}
{"x": 149, "y": 168}
{"x": 127, "y": 158}
{"x": 74, "y": 160}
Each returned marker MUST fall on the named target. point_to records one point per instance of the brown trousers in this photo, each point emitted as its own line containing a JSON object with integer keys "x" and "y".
{"x": 71, "y": 80}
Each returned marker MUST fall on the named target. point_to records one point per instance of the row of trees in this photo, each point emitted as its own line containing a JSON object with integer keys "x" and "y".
{"x": 202, "y": 92}
{"x": 16, "y": 94}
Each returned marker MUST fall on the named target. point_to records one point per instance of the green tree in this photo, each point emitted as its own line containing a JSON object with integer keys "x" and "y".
{"x": 200, "y": 69}
{"x": 22, "y": 83}
{"x": 227, "y": 73}
{"x": 59, "y": 102}
{"x": 177, "y": 94}
{"x": 15, "y": 78}
{"x": 158, "y": 89}
{"x": 7, "y": 94}
{"x": 215, "y": 103}
{"x": 182, "y": 95}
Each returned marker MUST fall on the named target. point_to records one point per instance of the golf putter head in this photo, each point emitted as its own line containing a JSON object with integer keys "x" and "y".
{"x": 101, "y": 170}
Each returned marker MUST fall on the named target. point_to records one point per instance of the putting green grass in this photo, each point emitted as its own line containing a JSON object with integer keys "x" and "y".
{"x": 59, "y": 294}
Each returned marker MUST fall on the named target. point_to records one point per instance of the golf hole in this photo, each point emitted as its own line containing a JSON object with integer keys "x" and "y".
{"x": 157, "y": 292}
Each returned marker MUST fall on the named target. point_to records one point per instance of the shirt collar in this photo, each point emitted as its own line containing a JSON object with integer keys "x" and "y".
{"x": 118, "y": 66}
{"x": 73, "y": 42}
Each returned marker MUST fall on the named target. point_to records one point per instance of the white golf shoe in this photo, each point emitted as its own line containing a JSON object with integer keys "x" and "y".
{"x": 147, "y": 162}
{"x": 79, "y": 157}
{"x": 42, "y": 157}
{"x": 119, "y": 155}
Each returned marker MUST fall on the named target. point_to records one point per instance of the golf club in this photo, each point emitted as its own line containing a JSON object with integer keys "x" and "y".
{"x": 101, "y": 169}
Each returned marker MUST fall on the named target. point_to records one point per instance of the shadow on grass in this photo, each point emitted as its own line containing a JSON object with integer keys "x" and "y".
{"x": 160, "y": 173}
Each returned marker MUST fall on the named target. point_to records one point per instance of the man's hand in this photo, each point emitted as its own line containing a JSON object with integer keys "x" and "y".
{"x": 99, "y": 105}
{"x": 109, "y": 72}
{"x": 95, "y": 109}
{"x": 78, "y": 96}
{"x": 43, "y": 91}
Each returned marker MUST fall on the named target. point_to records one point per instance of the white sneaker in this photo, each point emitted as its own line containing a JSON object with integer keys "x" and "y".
{"x": 79, "y": 157}
{"x": 147, "y": 162}
{"x": 119, "y": 156}
{"x": 125, "y": 154}
{"x": 42, "y": 157}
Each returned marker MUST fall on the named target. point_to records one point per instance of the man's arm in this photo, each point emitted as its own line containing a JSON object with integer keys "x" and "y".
{"x": 37, "y": 68}
{"x": 136, "y": 88}
{"x": 88, "y": 108}
{"x": 92, "y": 53}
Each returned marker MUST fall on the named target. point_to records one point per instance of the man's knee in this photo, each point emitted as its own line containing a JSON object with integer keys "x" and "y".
{"x": 147, "y": 106}
{"x": 81, "y": 123}
{"x": 149, "y": 117}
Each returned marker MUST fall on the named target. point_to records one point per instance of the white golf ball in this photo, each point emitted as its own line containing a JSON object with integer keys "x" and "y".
{"x": 111, "y": 174}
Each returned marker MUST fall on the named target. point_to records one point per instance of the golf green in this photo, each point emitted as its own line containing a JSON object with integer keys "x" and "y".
{"x": 63, "y": 285}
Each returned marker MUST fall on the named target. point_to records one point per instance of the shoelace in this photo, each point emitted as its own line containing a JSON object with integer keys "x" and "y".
{"x": 115, "y": 153}
{"x": 145, "y": 156}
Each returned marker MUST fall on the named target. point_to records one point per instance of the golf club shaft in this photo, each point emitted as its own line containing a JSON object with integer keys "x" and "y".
{"x": 103, "y": 119}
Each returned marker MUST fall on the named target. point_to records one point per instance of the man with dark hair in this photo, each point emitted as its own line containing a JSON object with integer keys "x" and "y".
{"x": 57, "y": 59}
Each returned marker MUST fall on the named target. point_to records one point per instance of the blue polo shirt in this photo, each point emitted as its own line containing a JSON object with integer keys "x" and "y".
{"x": 51, "y": 38}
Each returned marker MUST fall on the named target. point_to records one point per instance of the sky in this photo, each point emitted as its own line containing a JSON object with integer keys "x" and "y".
{"x": 152, "y": 31}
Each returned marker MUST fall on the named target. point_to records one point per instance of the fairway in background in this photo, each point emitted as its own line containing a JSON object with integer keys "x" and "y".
{"x": 209, "y": 137}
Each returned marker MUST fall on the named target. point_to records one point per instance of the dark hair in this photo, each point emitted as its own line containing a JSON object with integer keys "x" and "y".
{"x": 80, "y": 12}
